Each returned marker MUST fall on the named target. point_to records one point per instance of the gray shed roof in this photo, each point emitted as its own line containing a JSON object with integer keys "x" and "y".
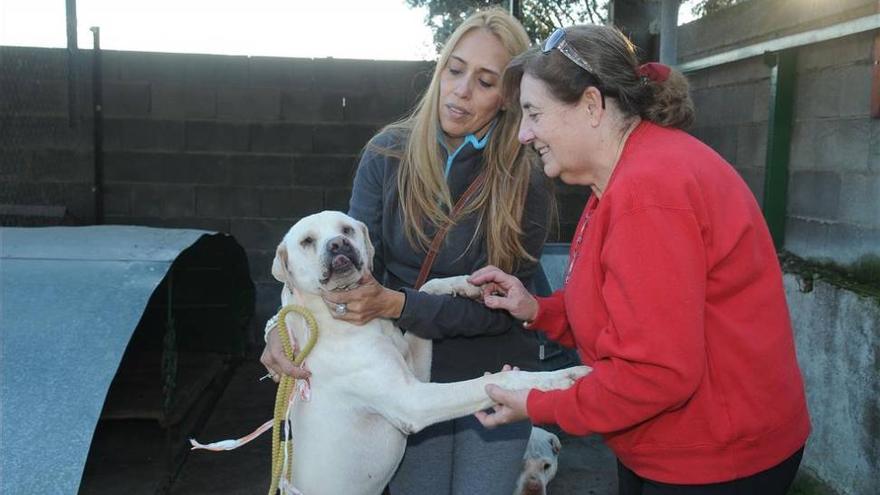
{"x": 70, "y": 298}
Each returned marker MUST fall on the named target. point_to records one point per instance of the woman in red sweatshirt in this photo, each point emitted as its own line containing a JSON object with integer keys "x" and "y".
{"x": 673, "y": 294}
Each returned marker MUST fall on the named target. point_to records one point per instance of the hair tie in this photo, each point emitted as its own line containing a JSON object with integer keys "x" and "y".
{"x": 654, "y": 71}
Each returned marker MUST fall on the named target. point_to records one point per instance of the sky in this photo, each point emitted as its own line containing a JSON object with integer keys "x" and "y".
{"x": 362, "y": 29}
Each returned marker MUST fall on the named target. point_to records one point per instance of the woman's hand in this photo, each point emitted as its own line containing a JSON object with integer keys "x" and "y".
{"x": 274, "y": 359}
{"x": 504, "y": 291}
{"x": 510, "y": 406}
{"x": 369, "y": 301}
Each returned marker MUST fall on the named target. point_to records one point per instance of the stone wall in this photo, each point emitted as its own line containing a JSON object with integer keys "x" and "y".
{"x": 837, "y": 343}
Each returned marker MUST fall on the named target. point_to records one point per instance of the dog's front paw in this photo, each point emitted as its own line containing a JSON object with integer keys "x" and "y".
{"x": 575, "y": 373}
{"x": 564, "y": 378}
{"x": 456, "y": 286}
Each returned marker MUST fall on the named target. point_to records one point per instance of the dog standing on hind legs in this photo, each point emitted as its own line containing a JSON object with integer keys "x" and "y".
{"x": 369, "y": 384}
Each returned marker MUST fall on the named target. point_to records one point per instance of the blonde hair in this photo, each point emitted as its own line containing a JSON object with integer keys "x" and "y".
{"x": 423, "y": 193}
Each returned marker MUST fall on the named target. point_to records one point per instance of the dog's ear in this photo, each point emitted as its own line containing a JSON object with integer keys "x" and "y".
{"x": 371, "y": 251}
{"x": 555, "y": 445}
{"x": 279, "y": 265}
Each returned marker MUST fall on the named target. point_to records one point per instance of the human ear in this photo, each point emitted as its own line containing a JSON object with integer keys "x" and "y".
{"x": 591, "y": 101}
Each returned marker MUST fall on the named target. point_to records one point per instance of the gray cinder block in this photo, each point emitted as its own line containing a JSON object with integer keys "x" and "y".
{"x": 253, "y": 169}
{"x": 321, "y": 170}
{"x": 281, "y": 138}
{"x": 249, "y": 103}
{"x": 227, "y": 201}
{"x": 216, "y": 136}
{"x": 814, "y": 194}
{"x": 290, "y": 202}
{"x": 164, "y": 201}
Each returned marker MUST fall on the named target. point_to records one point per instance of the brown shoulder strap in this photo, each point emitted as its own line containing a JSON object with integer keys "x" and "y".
{"x": 441, "y": 233}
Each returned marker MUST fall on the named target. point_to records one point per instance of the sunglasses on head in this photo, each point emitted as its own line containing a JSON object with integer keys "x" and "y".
{"x": 557, "y": 41}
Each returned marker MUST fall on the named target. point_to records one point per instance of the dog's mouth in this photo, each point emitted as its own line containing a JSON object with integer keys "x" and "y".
{"x": 341, "y": 271}
{"x": 341, "y": 263}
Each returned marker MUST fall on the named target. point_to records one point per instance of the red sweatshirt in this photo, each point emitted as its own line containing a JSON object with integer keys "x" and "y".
{"x": 675, "y": 299}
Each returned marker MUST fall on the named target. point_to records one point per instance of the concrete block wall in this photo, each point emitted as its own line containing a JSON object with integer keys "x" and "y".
{"x": 834, "y": 169}
{"x": 833, "y": 210}
{"x": 245, "y": 145}
{"x": 731, "y": 104}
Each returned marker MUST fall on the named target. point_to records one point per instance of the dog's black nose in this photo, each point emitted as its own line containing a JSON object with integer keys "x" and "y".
{"x": 339, "y": 245}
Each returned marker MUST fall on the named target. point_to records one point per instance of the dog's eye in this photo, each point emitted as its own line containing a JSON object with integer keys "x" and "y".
{"x": 546, "y": 466}
{"x": 308, "y": 241}
{"x": 347, "y": 230}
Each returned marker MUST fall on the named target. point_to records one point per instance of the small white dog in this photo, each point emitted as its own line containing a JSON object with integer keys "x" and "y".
{"x": 540, "y": 463}
{"x": 368, "y": 383}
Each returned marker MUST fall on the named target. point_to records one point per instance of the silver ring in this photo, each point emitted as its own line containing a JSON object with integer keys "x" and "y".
{"x": 340, "y": 309}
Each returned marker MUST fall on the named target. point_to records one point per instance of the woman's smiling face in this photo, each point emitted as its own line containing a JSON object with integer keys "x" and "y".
{"x": 556, "y": 130}
{"x": 470, "y": 85}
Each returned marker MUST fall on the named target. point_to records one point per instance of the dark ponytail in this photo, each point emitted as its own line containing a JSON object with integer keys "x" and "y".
{"x": 670, "y": 103}
{"x": 659, "y": 94}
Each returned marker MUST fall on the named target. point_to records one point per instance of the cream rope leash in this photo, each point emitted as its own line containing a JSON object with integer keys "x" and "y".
{"x": 282, "y": 450}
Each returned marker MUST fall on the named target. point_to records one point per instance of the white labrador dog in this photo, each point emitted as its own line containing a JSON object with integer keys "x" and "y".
{"x": 368, "y": 383}
{"x": 540, "y": 463}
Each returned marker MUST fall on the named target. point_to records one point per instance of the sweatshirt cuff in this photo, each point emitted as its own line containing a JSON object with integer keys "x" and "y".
{"x": 540, "y": 406}
{"x": 544, "y": 315}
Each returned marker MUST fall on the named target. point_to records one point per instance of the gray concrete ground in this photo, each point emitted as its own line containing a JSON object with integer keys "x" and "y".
{"x": 585, "y": 466}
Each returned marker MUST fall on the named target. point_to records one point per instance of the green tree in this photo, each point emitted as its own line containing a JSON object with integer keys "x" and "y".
{"x": 540, "y": 17}
{"x": 709, "y": 6}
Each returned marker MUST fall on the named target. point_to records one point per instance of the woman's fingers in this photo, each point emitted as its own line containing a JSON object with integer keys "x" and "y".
{"x": 494, "y": 282}
{"x": 510, "y": 406}
{"x": 499, "y": 302}
{"x": 269, "y": 364}
{"x": 277, "y": 362}
{"x": 501, "y": 413}
{"x": 369, "y": 301}
{"x": 487, "y": 274}
{"x": 511, "y": 297}
{"x": 490, "y": 289}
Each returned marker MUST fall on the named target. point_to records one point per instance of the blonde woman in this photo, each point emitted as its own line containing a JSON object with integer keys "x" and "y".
{"x": 409, "y": 178}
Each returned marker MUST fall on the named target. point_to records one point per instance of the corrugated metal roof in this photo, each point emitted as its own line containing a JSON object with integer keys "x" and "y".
{"x": 70, "y": 298}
